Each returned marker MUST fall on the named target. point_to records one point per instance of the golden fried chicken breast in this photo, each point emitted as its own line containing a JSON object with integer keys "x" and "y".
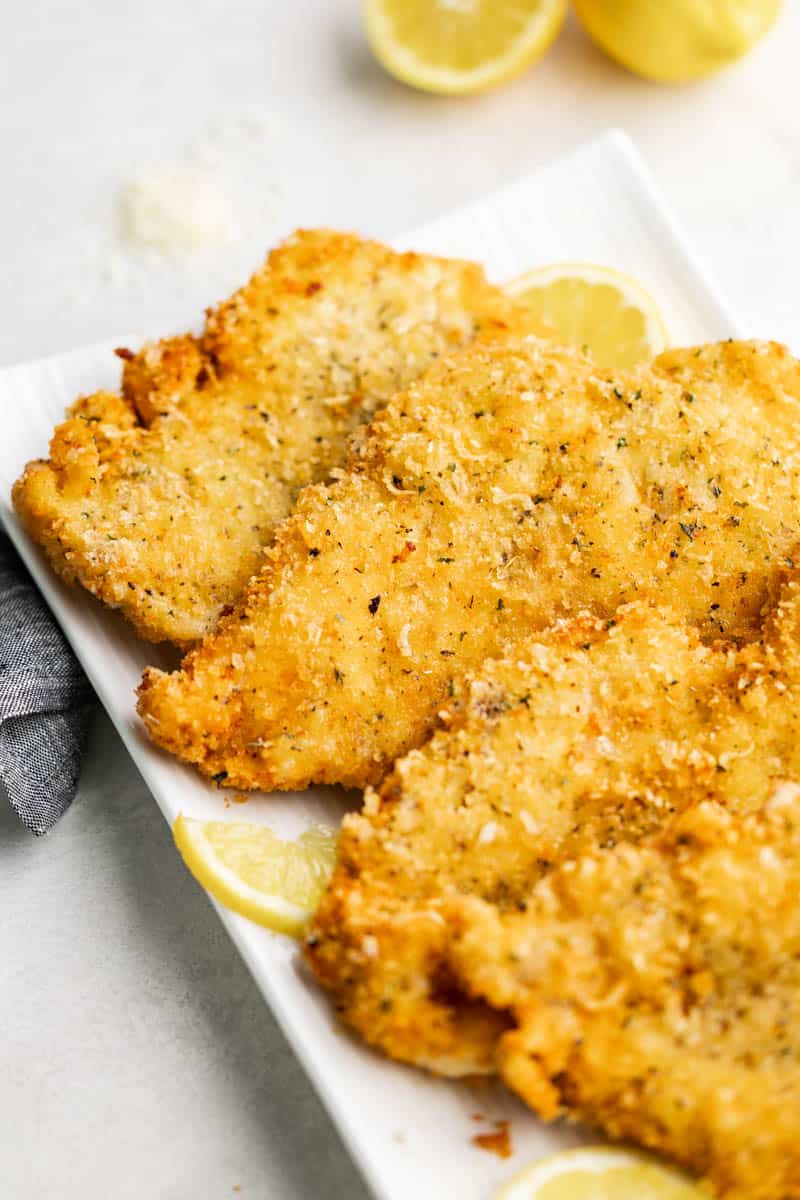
{"x": 654, "y": 991}
{"x": 509, "y": 486}
{"x": 159, "y": 500}
{"x": 592, "y": 733}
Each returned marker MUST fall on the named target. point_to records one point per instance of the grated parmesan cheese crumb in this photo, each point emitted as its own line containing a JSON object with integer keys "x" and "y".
{"x": 177, "y": 210}
{"x": 223, "y": 191}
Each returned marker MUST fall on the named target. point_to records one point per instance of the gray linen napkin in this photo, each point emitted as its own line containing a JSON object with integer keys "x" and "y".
{"x": 45, "y": 702}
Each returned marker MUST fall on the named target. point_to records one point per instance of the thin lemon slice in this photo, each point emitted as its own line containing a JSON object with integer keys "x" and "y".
{"x": 249, "y": 869}
{"x": 599, "y": 1173}
{"x": 460, "y": 46}
{"x": 598, "y": 309}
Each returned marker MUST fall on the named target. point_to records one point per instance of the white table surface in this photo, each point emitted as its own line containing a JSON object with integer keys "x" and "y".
{"x": 136, "y": 1058}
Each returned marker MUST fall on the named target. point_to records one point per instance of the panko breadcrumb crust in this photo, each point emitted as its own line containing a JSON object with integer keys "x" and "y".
{"x": 595, "y": 733}
{"x": 160, "y": 500}
{"x": 508, "y": 487}
{"x": 654, "y": 991}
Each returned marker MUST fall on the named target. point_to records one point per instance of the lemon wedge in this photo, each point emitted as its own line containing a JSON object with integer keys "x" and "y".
{"x": 460, "y": 46}
{"x": 602, "y": 311}
{"x": 599, "y": 1173}
{"x": 249, "y": 869}
{"x": 676, "y": 41}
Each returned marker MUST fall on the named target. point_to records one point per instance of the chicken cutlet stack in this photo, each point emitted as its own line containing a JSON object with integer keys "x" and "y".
{"x": 546, "y": 614}
{"x": 621, "y": 548}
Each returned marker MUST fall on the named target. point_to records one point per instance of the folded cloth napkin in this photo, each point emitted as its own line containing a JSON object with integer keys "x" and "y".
{"x": 45, "y": 702}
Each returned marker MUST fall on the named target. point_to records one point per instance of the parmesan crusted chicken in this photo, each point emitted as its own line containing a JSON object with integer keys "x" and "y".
{"x": 508, "y": 487}
{"x": 159, "y": 500}
{"x": 594, "y": 733}
{"x": 654, "y": 991}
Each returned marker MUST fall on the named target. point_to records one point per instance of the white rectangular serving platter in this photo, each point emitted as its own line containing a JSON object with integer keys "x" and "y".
{"x": 410, "y": 1134}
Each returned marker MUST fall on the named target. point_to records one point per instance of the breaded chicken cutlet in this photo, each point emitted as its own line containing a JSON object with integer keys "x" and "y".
{"x": 593, "y": 733}
{"x": 654, "y": 991}
{"x": 508, "y": 487}
{"x": 160, "y": 500}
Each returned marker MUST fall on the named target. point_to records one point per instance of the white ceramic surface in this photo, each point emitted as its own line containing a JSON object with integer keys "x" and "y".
{"x": 410, "y": 1134}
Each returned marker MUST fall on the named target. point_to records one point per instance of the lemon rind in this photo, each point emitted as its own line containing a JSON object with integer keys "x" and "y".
{"x": 273, "y": 912}
{"x": 594, "y": 1160}
{"x": 593, "y": 273}
{"x": 407, "y": 67}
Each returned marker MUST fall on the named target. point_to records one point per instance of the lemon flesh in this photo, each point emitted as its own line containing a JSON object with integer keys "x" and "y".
{"x": 460, "y": 46}
{"x": 601, "y": 311}
{"x": 676, "y": 41}
{"x": 599, "y": 1174}
{"x": 247, "y": 868}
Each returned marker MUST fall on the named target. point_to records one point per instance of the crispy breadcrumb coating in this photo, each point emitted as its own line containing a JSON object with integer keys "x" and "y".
{"x": 654, "y": 991}
{"x": 592, "y": 733}
{"x": 509, "y": 486}
{"x": 160, "y": 500}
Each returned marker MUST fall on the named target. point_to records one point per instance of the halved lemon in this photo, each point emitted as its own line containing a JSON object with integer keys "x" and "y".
{"x": 676, "y": 41}
{"x": 249, "y": 869}
{"x": 599, "y": 1173}
{"x": 460, "y": 46}
{"x": 598, "y": 309}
